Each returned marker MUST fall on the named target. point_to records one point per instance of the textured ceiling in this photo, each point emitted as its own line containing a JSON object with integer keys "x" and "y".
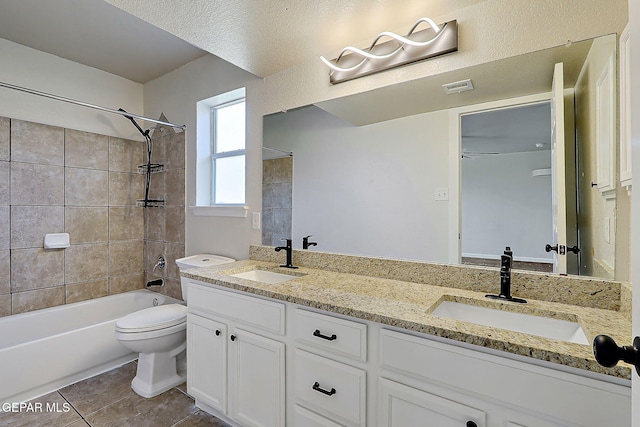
{"x": 94, "y": 33}
{"x": 268, "y": 36}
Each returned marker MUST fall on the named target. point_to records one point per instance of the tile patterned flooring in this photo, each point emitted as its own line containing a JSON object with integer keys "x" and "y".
{"x": 107, "y": 400}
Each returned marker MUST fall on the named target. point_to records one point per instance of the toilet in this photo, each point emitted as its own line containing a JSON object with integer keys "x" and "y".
{"x": 159, "y": 334}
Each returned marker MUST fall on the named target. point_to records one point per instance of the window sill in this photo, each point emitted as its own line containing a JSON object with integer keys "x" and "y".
{"x": 228, "y": 211}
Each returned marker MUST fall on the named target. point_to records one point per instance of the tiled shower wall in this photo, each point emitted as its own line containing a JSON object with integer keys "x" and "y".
{"x": 164, "y": 226}
{"x": 277, "y": 185}
{"x": 56, "y": 180}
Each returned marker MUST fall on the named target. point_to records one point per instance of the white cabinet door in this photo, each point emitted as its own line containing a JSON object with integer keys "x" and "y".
{"x": 403, "y": 406}
{"x": 256, "y": 380}
{"x": 207, "y": 361}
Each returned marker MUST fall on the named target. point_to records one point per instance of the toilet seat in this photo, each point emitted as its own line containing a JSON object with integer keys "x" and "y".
{"x": 153, "y": 319}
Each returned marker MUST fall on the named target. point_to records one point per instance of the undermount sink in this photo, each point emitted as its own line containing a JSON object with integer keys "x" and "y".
{"x": 264, "y": 276}
{"x": 518, "y": 322}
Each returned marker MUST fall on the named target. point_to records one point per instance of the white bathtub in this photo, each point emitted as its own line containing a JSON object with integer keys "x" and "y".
{"x": 43, "y": 350}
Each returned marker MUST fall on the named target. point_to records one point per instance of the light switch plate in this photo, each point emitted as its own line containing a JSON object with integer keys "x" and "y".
{"x": 256, "y": 220}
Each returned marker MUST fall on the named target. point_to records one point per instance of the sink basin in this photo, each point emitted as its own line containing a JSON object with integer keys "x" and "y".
{"x": 518, "y": 322}
{"x": 265, "y": 276}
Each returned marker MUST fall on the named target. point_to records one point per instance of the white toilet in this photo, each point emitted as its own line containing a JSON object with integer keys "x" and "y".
{"x": 159, "y": 334}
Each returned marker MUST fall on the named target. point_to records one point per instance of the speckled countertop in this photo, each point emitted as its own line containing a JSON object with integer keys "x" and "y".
{"x": 408, "y": 305}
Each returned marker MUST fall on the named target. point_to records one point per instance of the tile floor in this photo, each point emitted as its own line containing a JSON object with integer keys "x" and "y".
{"x": 107, "y": 400}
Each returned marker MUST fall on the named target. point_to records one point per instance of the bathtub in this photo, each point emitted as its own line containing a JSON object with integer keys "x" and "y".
{"x": 44, "y": 350}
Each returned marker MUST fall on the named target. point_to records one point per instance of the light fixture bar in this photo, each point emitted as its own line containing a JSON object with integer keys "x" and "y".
{"x": 352, "y": 62}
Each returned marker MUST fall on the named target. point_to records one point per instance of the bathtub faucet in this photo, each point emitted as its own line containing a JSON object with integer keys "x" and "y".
{"x": 160, "y": 264}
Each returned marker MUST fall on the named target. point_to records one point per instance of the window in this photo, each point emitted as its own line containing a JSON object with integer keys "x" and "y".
{"x": 228, "y": 153}
{"x": 220, "y": 155}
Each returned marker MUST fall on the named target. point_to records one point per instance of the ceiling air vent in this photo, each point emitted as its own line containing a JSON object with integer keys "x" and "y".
{"x": 457, "y": 87}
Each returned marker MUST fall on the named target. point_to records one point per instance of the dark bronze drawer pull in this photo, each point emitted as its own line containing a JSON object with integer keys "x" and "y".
{"x": 318, "y": 334}
{"x": 316, "y": 387}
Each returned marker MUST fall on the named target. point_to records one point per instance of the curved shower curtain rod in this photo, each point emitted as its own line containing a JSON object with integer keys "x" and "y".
{"x": 84, "y": 104}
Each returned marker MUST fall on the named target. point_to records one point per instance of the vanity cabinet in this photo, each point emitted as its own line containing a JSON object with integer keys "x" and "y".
{"x": 422, "y": 376}
{"x": 347, "y": 372}
{"x": 232, "y": 367}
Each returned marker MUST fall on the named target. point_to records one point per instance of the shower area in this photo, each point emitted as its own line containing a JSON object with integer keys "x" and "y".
{"x": 120, "y": 200}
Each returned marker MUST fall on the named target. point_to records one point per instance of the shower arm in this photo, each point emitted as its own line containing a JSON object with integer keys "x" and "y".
{"x": 144, "y": 133}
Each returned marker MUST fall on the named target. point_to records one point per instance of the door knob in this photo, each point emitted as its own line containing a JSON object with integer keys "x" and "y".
{"x": 575, "y": 249}
{"x": 608, "y": 353}
{"x": 550, "y": 248}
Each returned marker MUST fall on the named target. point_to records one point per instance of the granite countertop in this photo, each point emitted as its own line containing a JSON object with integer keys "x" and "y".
{"x": 409, "y": 305}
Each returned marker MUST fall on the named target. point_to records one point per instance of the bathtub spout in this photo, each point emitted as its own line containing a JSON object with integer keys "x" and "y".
{"x": 157, "y": 282}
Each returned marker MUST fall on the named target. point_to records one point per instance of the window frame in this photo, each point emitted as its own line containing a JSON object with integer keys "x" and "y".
{"x": 227, "y": 154}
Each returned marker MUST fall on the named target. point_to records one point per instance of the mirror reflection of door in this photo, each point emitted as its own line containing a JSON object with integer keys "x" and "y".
{"x": 506, "y": 187}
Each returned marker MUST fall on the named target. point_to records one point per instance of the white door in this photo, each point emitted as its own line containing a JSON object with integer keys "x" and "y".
{"x": 256, "y": 380}
{"x": 558, "y": 201}
{"x": 207, "y": 361}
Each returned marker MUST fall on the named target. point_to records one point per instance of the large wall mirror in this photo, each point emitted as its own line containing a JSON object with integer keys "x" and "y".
{"x": 410, "y": 172}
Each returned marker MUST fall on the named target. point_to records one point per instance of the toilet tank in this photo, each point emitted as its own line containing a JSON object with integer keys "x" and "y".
{"x": 200, "y": 260}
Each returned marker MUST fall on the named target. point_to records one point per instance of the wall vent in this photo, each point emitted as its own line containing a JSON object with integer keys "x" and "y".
{"x": 457, "y": 87}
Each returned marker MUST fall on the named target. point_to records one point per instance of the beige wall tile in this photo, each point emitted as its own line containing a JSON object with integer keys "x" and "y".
{"x": 33, "y": 184}
{"x": 5, "y": 272}
{"x": 5, "y": 228}
{"x": 173, "y": 251}
{"x": 5, "y": 130}
{"x": 86, "y": 290}
{"x": 125, "y": 189}
{"x": 174, "y": 187}
{"x": 156, "y": 186}
{"x": 174, "y": 151}
{"x": 152, "y": 250}
{"x": 84, "y": 263}
{"x": 121, "y": 284}
{"x": 277, "y": 170}
{"x": 158, "y": 146}
{"x": 86, "y": 187}
{"x": 86, "y": 150}
{"x": 126, "y": 223}
{"x": 125, "y": 155}
{"x": 29, "y": 224}
{"x": 5, "y": 305}
{"x": 154, "y": 223}
{"x": 171, "y": 287}
{"x": 37, "y": 143}
{"x": 174, "y": 224}
{"x": 126, "y": 258}
{"x": 87, "y": 225}
{"x": 36, "y": 268}
{"x": 5, "y": 191}
{"x": 36, "y": 299}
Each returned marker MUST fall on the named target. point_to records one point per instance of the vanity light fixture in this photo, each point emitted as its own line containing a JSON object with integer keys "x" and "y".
{"x": 457, "y": 87}
{"x": 352, "y": 62}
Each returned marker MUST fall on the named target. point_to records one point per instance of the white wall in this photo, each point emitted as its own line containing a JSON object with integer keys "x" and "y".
{"x": 33, "y": 69}
{"x": 489, "y": 30}
{"x": 176, "y": 94}
{"x": 367, "y": 190}
{"x": 504, "y": 205}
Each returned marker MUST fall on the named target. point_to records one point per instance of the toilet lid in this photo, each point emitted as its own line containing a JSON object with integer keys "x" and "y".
{"x": 149, "y": 319}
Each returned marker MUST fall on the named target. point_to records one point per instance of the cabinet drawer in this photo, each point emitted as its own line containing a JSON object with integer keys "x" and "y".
{"x": 251, "y": 311}
{"x": 331, "y": 333}
{"x": 400, "y": 405}
{"x": 333, "y": 389}
{"x": 305, "y": 418}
